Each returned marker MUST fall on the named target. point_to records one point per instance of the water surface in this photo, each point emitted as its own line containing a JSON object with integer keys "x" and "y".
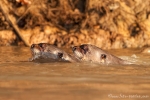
{"x": 23, "y": 80}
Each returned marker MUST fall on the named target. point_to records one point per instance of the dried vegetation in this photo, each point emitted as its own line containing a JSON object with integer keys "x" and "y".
{"x": 104, "y": 23}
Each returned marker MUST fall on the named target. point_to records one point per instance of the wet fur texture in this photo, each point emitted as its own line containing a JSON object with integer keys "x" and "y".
{"x": 88, "y": 52}
{"x": 49, "y": 51}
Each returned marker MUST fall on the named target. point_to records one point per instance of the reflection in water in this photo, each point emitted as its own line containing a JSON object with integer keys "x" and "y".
{"x": 20, "y": 79}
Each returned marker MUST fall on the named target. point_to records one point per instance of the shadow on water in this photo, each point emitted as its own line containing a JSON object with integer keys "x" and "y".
{"x": 20, "y": 79}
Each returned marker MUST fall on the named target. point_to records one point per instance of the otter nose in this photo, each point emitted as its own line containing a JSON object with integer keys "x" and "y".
{"x": 74, "y": 48}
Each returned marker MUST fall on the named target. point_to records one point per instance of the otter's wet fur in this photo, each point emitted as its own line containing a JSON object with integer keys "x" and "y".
{"x": 44, "y": 50}
{"x": 88, "y": 52}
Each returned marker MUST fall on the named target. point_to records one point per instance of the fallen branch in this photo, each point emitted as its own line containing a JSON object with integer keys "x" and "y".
{"x": 5, "y": 11}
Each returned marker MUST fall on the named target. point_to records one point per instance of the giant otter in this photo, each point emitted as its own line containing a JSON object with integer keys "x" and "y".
{"x": 44, "y": 50}
{"x": 88, "y": 52}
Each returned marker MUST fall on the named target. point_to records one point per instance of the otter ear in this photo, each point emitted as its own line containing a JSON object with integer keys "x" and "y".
{"x": 42, "y": 45}
{"x": 60, "y": 55}
{"x": 103, "y": 56}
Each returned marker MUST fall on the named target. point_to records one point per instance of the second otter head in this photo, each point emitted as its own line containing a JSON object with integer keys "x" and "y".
{"x": 90, "y": 53}
{"x": 80, "y": 51}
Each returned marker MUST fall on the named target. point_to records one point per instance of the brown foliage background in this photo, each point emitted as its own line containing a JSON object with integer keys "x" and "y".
{"x": 105, "y": 23}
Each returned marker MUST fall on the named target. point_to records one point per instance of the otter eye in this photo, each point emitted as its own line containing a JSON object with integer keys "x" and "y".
{"x": 74, "y": 48}
{"x": 60, "y": 55}
{"x": 32, "y": 46}
{"x": 103, "y": 56}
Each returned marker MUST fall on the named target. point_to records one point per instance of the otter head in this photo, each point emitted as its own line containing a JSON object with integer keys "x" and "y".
{"x": 45, "y": 50}
{"x": 38, "y": 48}
{"x": 80, "y": 51}
{"x": 42, "y": 46}
{"x": 51, "y": 51}
{"x": 35, "y": 49}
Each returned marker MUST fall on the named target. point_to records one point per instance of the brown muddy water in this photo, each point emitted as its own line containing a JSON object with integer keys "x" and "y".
{"x": 23, "y": 80}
